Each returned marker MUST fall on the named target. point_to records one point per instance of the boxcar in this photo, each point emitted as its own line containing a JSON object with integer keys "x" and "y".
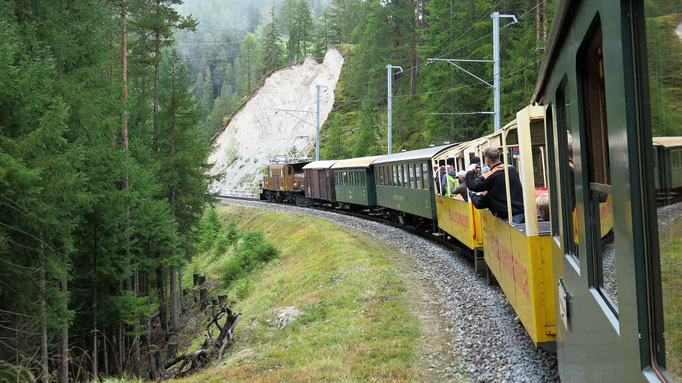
{"x": 354, "y": 182}
{"x": 668, "y": 169}
{"x": 594, "y": 87}
{"x": 319, "y": 184}
{"x": 404, "y": 183}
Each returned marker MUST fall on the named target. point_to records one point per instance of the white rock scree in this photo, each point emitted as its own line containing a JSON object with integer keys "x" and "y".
{"x": 278, "y": 119}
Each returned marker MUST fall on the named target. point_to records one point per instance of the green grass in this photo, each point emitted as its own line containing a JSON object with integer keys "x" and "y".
{"x": 671, "y": 276}
{"x": 355, "y": 324}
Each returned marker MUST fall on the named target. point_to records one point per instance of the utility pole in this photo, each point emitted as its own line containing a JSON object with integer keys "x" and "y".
{"x": 496, "y": 70}
{"x": 317, "y": 143}
{"x": 496, "y": 63}
{"x": 390, "y": 68}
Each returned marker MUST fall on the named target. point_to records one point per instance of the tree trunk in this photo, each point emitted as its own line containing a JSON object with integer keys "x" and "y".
{"x": 95, "y": 373}
{"x": 106, "y": 353}
{"x": 43, "y": 329}
{"x": 544, "y": 21}
{"x": 161, "y": 291}
{"x": 121, "y": 349}
{"x": 537, "y": 20}
{"x": 413, "y": 50}
{"x": 65, "y": 330}
{"x": 175, "y": 322}
{"x": 182, "y": 295}
{"x": 136, "y": 340}
{"x": 157, "y": 56}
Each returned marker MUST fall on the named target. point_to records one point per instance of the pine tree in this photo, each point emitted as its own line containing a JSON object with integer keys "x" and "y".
{"x": 248, "y": 65}
{"x": 272, "y": 51}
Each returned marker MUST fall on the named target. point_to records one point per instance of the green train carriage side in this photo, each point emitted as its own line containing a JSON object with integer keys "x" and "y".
{"x": 404, "y": 185}
{"x": 594, "y": 87}
{"x": 354, "y": 182}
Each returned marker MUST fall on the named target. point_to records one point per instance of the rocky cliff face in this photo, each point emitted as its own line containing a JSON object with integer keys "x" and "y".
{"x": 278, "y": 119}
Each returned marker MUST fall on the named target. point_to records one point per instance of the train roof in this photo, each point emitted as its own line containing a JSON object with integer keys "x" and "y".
{"x": 668, "y": 142}
{"x": 321, "y": 164}
{"x": 419, "y": 154}
{"x": 362, "y": 162}
{"x": 561, "y": 14}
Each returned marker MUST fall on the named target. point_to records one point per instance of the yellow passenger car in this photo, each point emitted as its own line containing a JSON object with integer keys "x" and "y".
{"x": 519, "y": 255}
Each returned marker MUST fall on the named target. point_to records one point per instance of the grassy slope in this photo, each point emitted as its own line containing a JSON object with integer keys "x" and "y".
{"x": 356, "y": 325}
{"x": 670, "y": 237}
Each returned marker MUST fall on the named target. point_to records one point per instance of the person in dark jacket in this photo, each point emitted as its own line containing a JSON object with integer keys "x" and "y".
{"x": 493, "y": 183}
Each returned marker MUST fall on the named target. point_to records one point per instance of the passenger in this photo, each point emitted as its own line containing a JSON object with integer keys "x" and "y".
{"x": 542, "y": 203}
{"x": 449, "y": 182}
{"x": 493, "y": 182}
{"x": 462, "y": 188}
{"x": 436, "y": 179}
{"x": 442, "y": 176}
{"x": 477, "y": 161}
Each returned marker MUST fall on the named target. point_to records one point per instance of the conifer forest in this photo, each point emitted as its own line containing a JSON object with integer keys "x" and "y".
{"x": 108, "y": 108}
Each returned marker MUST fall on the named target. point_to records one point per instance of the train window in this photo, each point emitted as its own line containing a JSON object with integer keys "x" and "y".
{"x": 363, "y": 179}
{"x": 289, "y": 170}
{"x": 270, "y": 172}
{"x": 345, "y": 178}
{"x": 400, "y": 176}
{"x": 567, "y": 172}
{"x": 418, "y": 176}
{"x": 663, "y": 51}
{"x": 412, "y": 178}
{"x": 598, "y": 167}
{"x": 406, "y": 180}
{"x": 425, "y": 176}
{"x": 551, "y": 159}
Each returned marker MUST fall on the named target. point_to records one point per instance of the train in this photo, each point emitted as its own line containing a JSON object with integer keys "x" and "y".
{"x": 585, "y": 283}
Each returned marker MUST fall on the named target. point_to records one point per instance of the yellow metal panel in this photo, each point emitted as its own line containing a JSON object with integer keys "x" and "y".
{"x": 522, "y": 266}
{"x": 461, "y": 220}
{"x": 606, "y": 216}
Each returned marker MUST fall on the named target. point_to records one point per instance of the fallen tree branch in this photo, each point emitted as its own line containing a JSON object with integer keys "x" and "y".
{"x": 190, "y": 362}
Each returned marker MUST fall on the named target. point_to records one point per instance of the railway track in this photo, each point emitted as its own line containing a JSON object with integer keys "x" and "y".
{"x": 474, "y": 321}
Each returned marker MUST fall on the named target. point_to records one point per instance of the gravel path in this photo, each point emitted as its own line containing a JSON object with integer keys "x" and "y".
{"x": 475, "y": 323}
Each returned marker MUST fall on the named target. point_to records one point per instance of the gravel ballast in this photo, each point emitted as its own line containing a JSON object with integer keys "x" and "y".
{"x": 475, "y": 322}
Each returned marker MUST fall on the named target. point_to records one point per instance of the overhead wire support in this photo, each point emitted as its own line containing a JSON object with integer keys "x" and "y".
{"x": 390, "y": 68}
{"x": 496, "y": 68}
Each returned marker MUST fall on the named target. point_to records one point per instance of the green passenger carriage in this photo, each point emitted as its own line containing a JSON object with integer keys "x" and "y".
{"x": 404, "y": 183}
{"x": 354, "y": 181}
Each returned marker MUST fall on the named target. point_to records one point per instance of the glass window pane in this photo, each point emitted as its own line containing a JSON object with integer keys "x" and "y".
{"x": 400, "y": 176}
{"x": 598, "y": 167}
{"x": 567, "y": 171}
{"x": 418, "y": 174}
{"x": 425, "y": 172}
{"x": 412, "y": 179}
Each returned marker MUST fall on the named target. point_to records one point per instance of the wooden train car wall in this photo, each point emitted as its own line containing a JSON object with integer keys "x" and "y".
{"x": 320, "y": 181}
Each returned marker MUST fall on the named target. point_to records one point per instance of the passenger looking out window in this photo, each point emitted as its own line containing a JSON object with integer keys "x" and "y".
{"x": 493, "y": 182}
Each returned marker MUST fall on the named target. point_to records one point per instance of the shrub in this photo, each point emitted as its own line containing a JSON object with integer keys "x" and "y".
{"x": 226, "y": 238}
{"x": 211, "y": 225}
{"x": 252, "y": 251}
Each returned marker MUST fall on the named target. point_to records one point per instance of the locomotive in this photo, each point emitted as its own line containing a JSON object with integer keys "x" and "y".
{"x": 586, "y": 283}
